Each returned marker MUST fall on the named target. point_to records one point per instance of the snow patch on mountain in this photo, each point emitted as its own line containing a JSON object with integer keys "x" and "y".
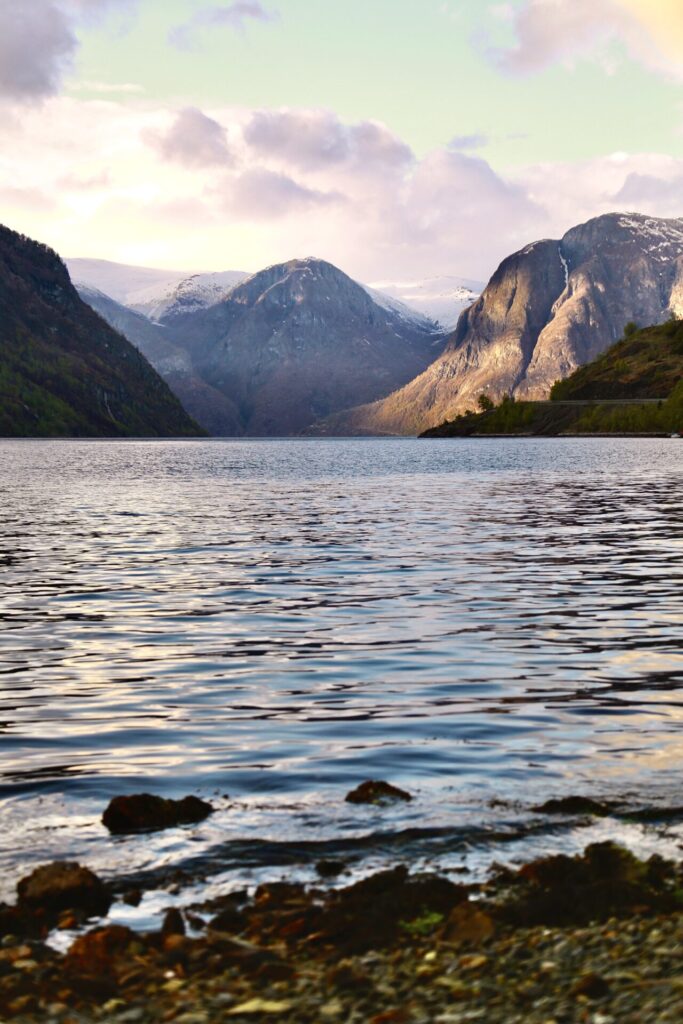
{"x": 193, "y": 293}
{"x": 440, "y": 299}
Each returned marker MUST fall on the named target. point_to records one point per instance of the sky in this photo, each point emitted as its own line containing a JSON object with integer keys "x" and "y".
{"x": 399, "y": 139}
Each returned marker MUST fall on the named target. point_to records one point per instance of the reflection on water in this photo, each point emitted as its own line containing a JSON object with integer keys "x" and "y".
{"x": 279, "y": 620}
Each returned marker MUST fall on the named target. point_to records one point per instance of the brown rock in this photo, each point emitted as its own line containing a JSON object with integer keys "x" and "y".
{"x": 376, "y": 792}
{"x": 173, "y": 923}
{"x": 147, "y": 813}
{"x": 591, "y": 985}
{"x": 93, "y": 953}
{"x": 61, "y": 886}
{"x": 468, "y": 925}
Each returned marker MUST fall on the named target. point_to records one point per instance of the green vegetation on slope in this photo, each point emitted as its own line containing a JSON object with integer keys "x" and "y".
{"x": 603, "y": 397}
{"x": 644, "y": 364}
{"x": 63, "y": 371}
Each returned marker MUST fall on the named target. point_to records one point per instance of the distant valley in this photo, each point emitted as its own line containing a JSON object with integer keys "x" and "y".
{"x": 272, "y": 353}
{"x": 301, "y": 347}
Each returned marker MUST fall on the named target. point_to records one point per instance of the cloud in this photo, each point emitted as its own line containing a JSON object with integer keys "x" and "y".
{"x": 547, "y": 32}
{"x": 651, "y": 190}
{"x": 81, "y": 175}
{"x": 37, "y": 47}
{"x": 315, "y": 139}
{"x": 194, "y": 139}
{"x": 466, "y": 142}
{"x": 38, "y": 43}
{"x": 233, "y": 16}
{"x": 263, "y": 194}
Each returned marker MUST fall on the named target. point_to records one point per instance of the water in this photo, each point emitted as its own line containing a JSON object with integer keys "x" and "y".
{"x": 267, "y": 623}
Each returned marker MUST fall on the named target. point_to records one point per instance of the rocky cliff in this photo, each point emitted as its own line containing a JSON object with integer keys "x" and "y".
{"x": 547, "y": 310}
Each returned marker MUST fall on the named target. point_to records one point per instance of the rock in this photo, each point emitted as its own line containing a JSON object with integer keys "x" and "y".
{"x": 369, "y": 914}
{"x": 348, "y": 977}
{"x": 591, "y": 985}
{"x": 61, "y": 886}
{"x": 93, "y": 953}
{"x": 330, "y": 868}
{"x": 256, "y": 1007}
{"x": 468, "y": 925}
{"x": 147, "y": 813}
{"x": 376, "y": 792}
{"x": 173, "y": 923}
{"x": 606, "y": 881}
{"x": 133, "y": 898}
{"x": 230, "y": 920}
{"x": 573, "y": 805}
{"x": 548, "y": 308}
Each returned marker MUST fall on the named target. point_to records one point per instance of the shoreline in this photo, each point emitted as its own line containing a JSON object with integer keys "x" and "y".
{"x": 592, "y": 938}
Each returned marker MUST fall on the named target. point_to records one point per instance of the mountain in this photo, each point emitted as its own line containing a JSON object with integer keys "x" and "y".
{"x": 547, "y": 310}
{"x": 63, "y": 370}
{"x": 441, "y": 299}
{"x": 205, "y": 404}
{"x": 199, "y": 291}
{"x": 121, "y": 281}
{"x": 636, "y": 386}
{"x": 298, "y": 341}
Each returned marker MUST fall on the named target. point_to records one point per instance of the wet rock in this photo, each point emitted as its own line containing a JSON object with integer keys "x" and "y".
{"x": 330, "y": 868}
{"x": 573, "y": 805}
{"x": 93, "y": 953}
{"x": 147, "y": 813}
{"x": 61, "y": 886}
{"x": 606, "y": 881}
{"x": 369, "y": 914}
{"x": 133, "y": 898}
{"x": 173, "y": 923}
{"x": 376, "y": 792}
{"x": 230, "y": 920}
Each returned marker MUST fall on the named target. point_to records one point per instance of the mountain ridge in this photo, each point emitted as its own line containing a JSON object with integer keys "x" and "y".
{"x": 548, "y": 309}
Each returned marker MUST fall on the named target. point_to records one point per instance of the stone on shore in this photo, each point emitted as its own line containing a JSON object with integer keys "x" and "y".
{"x": 61, "y": 886}
{"x": 144, "y": 812}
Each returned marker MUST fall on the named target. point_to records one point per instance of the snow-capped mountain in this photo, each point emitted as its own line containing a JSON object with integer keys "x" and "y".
{"x": 159, "y": 294}
{"x": 121, "y": 281}
{"x": 299, "y": 340}
{"x": 441, "y": 299}
{"x": 199, "y": 291}
{"x": 273, "y": 352}
{"x": 154, "y": 292}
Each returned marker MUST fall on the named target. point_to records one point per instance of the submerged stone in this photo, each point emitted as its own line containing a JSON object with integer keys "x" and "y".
{"x": 144, "y": 812}
{"x": 376, "y": 792}
{"x": 573, "y": 805}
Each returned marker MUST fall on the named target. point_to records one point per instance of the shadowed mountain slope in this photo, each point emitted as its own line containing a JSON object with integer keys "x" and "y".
{"x": 299, "y": 341}
{"x": 63, "y": 370}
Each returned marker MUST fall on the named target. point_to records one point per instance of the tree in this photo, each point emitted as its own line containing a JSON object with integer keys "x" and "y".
{"x": 485, "y": 403}
{"x": 630, "y": 329}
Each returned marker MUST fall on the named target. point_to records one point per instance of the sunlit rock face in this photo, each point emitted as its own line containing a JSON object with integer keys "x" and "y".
{"x": 547, "y": 310}
{"x": 297, "y": 342}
